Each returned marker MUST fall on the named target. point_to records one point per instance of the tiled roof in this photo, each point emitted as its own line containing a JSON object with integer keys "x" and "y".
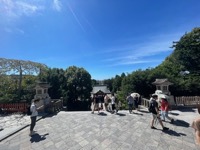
{"x": 162, "y": 81}
{"x": 102, "y": 88}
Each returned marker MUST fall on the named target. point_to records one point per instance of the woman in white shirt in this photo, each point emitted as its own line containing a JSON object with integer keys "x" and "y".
{"x": 113, "y": 103}
{"x": 34, "y": 114}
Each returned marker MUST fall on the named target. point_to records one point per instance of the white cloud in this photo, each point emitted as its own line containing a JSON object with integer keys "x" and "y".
{"x": 57, "y": 5}
{"x": 26, "y": 9}
{"x": 139, "y": 54}
{"x": 16, "y": 8}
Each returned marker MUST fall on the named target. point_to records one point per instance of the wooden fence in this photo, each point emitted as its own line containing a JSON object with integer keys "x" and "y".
{"x": 187, "y": 100}
{"x": 14, "y": 107}
{"x": 55, "y": 106}
{"x": 179, "y": 101}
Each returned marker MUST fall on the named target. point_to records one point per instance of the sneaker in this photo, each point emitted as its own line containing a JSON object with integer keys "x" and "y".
{"x": 153, "y": 127}
{"x": 165, "y": 128}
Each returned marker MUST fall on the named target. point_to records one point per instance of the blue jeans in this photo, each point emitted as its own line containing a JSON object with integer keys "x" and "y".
{"x": 164, "y": 114}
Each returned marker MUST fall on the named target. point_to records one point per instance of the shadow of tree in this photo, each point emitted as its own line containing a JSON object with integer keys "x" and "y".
{"x": 37, "y": 138}
{"x": 186, "y": 109}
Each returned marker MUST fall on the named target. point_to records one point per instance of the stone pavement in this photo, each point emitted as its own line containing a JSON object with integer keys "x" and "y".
{"x": 11, "y": 123}
{"x": 86, "y": 131}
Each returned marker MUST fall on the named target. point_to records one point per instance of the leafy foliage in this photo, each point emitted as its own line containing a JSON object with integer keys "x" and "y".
{"x": 18, "y": 69}
{"x": 73, "y": 84}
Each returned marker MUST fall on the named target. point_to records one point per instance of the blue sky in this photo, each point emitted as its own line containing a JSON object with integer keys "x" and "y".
{"x": 106, "y": 37}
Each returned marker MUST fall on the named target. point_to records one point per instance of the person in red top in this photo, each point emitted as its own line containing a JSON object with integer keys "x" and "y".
{"x": 164, "y": 110}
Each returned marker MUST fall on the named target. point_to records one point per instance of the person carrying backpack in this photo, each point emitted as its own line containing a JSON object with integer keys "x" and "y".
{"x": 130, "y": 101}
{"x": 155, "y": 112}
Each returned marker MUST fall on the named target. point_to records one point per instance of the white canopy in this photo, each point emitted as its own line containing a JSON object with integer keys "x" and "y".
{"x": 135, "y": 95}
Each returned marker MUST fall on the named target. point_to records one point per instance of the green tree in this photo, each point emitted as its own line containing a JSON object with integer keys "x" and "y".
{"x": 185, "y": 57}
{"x": 117, "y": 84}
{"x": 20, "y": 68}
{"x": 187, "y": 51}
{"x": 79, "y": 85}
{"x": 109, "y": 83}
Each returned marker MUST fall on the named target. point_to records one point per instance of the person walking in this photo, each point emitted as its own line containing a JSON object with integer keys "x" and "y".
{"x": 106, "y": 98}
{"x": 95, "y": 104}
{"x": 34, "y": 113}
{"x": 136, "y": 102}
{"x": 164, "y": 110}
{"x": 130, "y": 101}
{"x": 155, "y": 112}
{"x": 113, "y": 103}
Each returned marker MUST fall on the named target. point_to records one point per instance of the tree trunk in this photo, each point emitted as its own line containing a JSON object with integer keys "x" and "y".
{"x": 20, "y": 83}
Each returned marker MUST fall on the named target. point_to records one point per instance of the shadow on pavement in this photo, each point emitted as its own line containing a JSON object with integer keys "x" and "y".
{"x": 137, "y": 113}
{"x": 120, "y": 114}
{"x": 174, "y": 133}
{"x": 186, "y": 109}
{"x": 181, "y": 123}
{"x": 172, "y": 113}
{"x": 37, "y": 138}
{"x": 102, "y": 114}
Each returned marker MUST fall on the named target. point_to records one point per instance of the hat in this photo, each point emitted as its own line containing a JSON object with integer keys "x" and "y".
{"x": 36, "y": 100}
{"x": 154, "y": 95}
{"x": 163, "y": 96}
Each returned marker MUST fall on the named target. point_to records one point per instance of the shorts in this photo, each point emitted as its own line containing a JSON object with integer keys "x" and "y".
{"x": 155, "y": 116}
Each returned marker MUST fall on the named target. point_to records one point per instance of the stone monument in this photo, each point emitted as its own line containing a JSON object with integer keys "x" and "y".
{"x": 42, "y": 93}
{"x": 162, "y": 90}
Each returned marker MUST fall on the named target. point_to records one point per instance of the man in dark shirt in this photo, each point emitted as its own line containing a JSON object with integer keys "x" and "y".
{"x": 155, "y": 112}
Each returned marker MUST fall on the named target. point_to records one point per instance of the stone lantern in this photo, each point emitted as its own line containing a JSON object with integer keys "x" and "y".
{"x": 162, "y": 89}
{"x": 163, "y": 85}
{"x": 42, "y": 93}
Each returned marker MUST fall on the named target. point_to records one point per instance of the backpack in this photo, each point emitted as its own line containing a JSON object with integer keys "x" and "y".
{"x": 151, "y": 107}
{"x": 28, "y": 111}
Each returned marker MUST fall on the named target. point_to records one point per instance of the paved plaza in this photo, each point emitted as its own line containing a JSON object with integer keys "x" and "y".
{"x": 105, "y": 131}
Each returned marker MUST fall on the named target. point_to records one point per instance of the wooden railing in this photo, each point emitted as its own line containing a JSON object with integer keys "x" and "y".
{"x": 54, "y": 106}
{"x": 187, "y": 100}
{"x": 183, "y": 100}
{"x": 14, "y": 107}
{"x": 145, "y": 102}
